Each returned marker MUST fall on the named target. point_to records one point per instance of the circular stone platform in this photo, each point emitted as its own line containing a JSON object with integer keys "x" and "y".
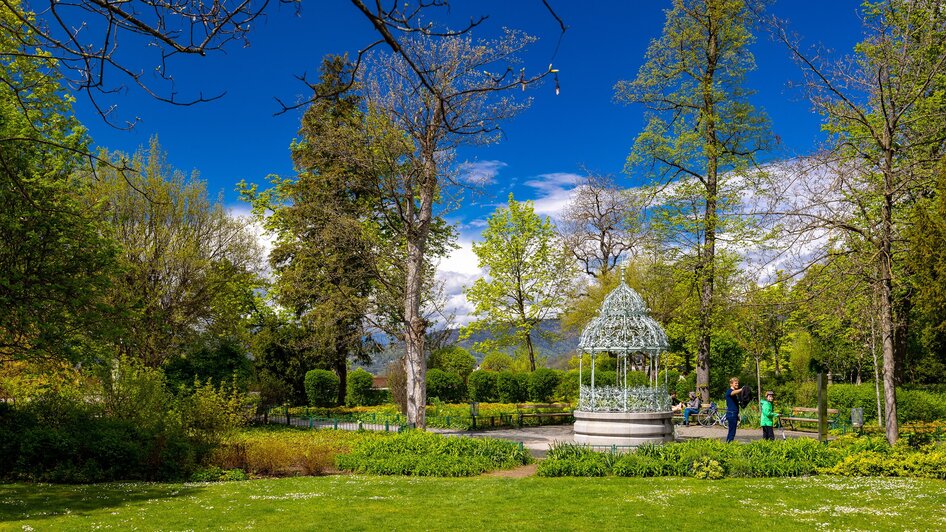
{"x": 624, "y": 429}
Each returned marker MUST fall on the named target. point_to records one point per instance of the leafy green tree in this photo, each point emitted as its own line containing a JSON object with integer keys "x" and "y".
{"x": 886, "y": 110}
{"x": 528, "y": 282}
{"x": 56, "y": 261}
{"x": 496, "y": 361}
{"x": 321, "y": 257}
{"x": 453, "y": 359}
{"x": 701, "y": 134}
{"x": 359, "y": 391}
{"x": 189, "y": 267}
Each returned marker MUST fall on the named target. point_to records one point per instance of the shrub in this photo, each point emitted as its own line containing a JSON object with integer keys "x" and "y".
{"x": 427, "y": 454}
{"x": 542, "y": 383}
{"x": 844, "y": 397}
{"x": 359, "y": 391}
{"x": 453, "y": 359}
{"x": 706, "y": 468}
{"x": 211, "y": 413}
{"x": 567, "y": 389}
{"x": 686, "y": 385}
{"x": 321, "y": 387}
{"x": 602, "y": 378}
{"x": 482, "y": 386}
{"x": 285, "y": 451}
{"x": 397, "y": 383}
{"x": 919, "y": 405}
{"x": 496, "y": 361}
{"x": 512, "y": 387}
{"x": 448, "y": 387}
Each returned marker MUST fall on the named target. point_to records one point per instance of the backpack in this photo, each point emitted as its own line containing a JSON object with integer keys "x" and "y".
{"x": 745, "y": 397}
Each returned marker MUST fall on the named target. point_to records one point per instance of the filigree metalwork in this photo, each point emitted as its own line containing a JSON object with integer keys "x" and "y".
{"x": 620, "y": 399}
{"x": 624, "y": 327}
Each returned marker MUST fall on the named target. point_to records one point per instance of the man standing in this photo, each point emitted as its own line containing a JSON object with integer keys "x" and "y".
{"x": 767, "y": 419}
{"x": 732, "y": 408}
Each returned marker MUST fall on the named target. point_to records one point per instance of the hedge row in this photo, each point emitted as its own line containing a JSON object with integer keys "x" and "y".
{"x": 421, "y": 453}
{"x": 713, "y": 459}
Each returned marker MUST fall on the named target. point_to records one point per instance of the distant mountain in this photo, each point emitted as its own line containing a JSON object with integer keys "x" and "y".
{"x": 556, "y": 352}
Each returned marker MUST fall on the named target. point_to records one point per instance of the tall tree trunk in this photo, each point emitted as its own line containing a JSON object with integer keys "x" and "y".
{"x": 707, "y": 267}
{"x": 531, "y": 352}
{"x": 887, "y": 324}
{"x": 416, "y": 325}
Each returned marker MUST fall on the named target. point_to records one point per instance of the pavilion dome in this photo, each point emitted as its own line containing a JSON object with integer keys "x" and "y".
{"x": 623, "y": 325}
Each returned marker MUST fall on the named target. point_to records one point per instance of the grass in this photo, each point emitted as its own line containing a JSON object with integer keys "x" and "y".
{"x": 484, "y": 503}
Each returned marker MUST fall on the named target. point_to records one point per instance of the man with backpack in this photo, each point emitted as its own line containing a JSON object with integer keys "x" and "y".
{"x": 733, "y": 395}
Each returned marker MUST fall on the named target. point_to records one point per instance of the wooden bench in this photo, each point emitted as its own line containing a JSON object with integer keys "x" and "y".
{"x": 561, "y": 410}
{"x": 809, "y": 415}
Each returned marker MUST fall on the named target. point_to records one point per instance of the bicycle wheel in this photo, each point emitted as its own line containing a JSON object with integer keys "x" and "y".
{"x": 706, "y": 420}
{"x": 722, "y": 420}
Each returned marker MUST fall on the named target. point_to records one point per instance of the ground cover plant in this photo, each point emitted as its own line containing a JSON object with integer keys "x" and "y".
{"x": 713, "y": 459}
{"x": 481, "y": 503}
{"x": 283, "y": 451}
{"x": 427, "y": 454}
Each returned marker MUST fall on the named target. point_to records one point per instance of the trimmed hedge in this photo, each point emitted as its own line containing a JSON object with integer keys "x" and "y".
{"x": 358, "y": 391}
{"x": 542, "y": 383}
{"x": 321, "y": 387}
{"x": 512, "y": 387}
{"x": 446, "y": 386}
{"x": 482, "y": 386}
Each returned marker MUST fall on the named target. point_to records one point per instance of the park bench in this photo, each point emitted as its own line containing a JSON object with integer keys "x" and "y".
{"x": 542, "y": 410}
{"x": 809, "y": 415}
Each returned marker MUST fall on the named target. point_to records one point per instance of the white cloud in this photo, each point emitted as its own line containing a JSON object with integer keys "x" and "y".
{"x": 554, "y": 191}
{"x": 263, "y": 237}
{"x": 480, "y": 172}
{"x": 457, "y": 272}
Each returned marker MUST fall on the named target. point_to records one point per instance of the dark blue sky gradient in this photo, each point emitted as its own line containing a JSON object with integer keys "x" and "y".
{"x": 237, "y": 137}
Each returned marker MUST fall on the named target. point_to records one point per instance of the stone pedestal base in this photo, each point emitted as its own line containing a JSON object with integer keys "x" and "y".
{"x": 604, "y": 429}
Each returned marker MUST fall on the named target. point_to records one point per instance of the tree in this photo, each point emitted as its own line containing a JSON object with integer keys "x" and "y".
{"x": 885, "y": 109}
{"x": 186, "y": 262}
{"x": 56, "y": 261}
{"x": 323, "y": 256}
{"x": 453, "y": 359}
{"x": 599, "y": 224}
{"x": 701, "y": 133}
{"x": 529, "y": 278}
{"x": 441, "y": 91}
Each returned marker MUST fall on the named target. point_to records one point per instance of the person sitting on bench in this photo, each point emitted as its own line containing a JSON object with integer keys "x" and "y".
{"x": 693, "y": 407}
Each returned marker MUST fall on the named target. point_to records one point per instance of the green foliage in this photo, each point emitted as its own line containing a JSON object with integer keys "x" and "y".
{"x": 496, "y": 361}
{"x": 58, "y": 439}
{"x": 359, "y": 391}
{"x": 919, "y": 405}
{"x": 528, "y": 279}
{"x": 215, "y": 474}
{"x": 482, "y": 386}
{"x": 57, "y": 261}
{"x": 542, "y": 384}
{"x": 567, "y": 389}
{"x": 453, "y": 359}
{"x": 285, "y": 451}
{"x": 707, "y": 469}
{"x": 512, "y": 387}
{"x": 321, "y": 387}
{"x": 215, "y": 359}
{"x": 191, "y": 275}
{"x": 446, "y": 386}
{"x": 426, "y": 454}
{"x": 210, "y": 413}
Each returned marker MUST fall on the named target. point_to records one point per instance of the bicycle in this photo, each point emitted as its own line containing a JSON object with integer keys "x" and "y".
{"x": 712, "y": 416}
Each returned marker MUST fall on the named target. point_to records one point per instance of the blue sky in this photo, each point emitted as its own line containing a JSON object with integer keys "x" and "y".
{"x": 544, "y": 149}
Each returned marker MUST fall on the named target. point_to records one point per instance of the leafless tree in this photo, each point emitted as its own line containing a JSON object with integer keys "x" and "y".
{"x": 599, "y": 224}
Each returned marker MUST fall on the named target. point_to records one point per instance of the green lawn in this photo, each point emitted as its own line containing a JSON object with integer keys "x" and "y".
{"x": 407, "y": 503}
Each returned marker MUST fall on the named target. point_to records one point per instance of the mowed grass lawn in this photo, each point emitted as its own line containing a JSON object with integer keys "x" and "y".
{"x": 484, "y": 503}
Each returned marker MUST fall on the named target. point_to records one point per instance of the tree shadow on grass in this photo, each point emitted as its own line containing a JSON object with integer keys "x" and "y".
{"x": 42, "y": 501}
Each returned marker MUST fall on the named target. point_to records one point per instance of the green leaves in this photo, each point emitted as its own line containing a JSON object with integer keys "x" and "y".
{"x": 529, "y": 273}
